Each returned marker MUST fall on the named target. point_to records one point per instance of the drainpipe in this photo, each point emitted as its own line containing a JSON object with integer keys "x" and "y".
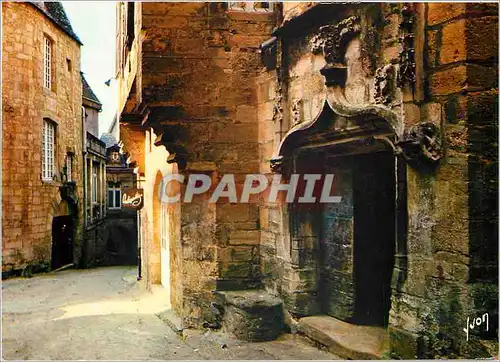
{"x": 139, "y": 242}
{"x": 84, "y": 203}
{"x": 139, "y": 238}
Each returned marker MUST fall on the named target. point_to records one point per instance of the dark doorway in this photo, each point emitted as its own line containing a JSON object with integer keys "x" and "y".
{"x": 62, "y": 241}
{"x": 374, "y": 236}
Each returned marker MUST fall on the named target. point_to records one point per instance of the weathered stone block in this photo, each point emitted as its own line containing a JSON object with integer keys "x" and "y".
{"x": 453, "y": 47}
{"x": 402, "y": 344}
{"x": 482, "y": 108}
{"x": 252, "y": 315}
{"x": 237, "y": 254}
{"x": 411, "y": 113}
{"x": 482, "y": 38}
{"x": 448, "y": 81}
{"x": 440, "y": 12}
{"x": 301, "y": 303}
{"x": 228, "y": 270}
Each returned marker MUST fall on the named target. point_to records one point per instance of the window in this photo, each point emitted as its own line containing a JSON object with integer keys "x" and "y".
{"x": 94, "y": 182}
{"x": 251, "y": 6}
{"x": 114, "y": 196}
{"x": 47, "y": 63}
{"x": 130, "y": 24}
{"x": 48, "y": 150}
{"x": 69, "y": 167}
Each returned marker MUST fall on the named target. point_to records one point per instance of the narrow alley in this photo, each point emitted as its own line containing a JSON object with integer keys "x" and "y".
{"x": 106, "y": 314}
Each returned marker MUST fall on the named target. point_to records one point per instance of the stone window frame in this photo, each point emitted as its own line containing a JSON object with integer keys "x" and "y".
{"x": 250, "y": 6}
{"x": 130, "y": 25}
{"x": 49, "y": 150}
{"x": 69, "y": 167}
{"x": 114, "y": 188}
{"x": 94, "y": 183}
{"x": 48, "y": 62}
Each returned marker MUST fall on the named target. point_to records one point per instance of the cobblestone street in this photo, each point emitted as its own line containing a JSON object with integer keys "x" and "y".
{"x": 105, "y": 314}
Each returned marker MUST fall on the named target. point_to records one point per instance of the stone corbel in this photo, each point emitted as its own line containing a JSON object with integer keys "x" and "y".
{"x": 177, "y": 152}
{"x": 268, "y": 51}
{"x": 422, "y": 144}
{"x": 281, "y": 164}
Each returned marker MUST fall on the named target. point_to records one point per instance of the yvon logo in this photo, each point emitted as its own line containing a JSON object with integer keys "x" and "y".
{"x": 476, "y": 323}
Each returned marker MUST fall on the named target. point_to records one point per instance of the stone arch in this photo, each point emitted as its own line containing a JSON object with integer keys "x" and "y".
{"x": 339, "y": 130}
{"x": 154, "y": 248}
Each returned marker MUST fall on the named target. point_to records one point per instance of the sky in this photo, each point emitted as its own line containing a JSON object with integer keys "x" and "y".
{"x": 94, "y": 23}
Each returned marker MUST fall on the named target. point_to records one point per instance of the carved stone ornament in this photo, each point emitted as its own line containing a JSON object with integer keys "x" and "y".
{"x": 332, "y": 39}
{"x": 276, "y": 164}
{"x": 407, "y": 65}
{"x": 296, "y": 112}
{"x": 278, "y": 104}
{"x": 67, "y": 191}
{"x": 422, "y": 143}
{"x": 384, "y": 79}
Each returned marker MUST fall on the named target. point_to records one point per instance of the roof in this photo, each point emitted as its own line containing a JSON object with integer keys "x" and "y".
{"x": 109, "y": 140}
{"x": 88, "y": 93}
{"x": 55, "y": 12}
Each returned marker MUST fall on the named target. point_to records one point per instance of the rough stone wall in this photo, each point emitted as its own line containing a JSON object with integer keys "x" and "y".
{"x": 452, "y": 220}
{"x": 186, "y": 49}
{"x": 29, "y": 204}
{"x": 445, "y": 259}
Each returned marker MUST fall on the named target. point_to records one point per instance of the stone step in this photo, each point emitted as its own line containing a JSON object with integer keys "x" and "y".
{"x": 346, "y": 340}
{"x": 252, "y": 315}
{"x": 172, "y": 320}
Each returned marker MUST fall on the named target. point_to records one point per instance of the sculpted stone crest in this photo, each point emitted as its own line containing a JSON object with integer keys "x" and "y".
{"x": 332, "y": 39}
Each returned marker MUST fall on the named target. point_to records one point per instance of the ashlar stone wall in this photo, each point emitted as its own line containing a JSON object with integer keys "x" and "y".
{"x": 29, "y": 204}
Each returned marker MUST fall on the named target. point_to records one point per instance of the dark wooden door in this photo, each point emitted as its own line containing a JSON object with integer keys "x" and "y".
{"x": 62, "y": 241}
{"x": 374, "y": 236}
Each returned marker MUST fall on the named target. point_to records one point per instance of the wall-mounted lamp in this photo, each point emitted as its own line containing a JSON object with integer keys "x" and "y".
{"x": 108, "y": 82}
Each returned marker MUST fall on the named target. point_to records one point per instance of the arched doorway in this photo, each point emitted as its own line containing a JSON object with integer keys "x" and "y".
{"x": 352, "y": 243}
{"x": 354, "y": 238}
{"x": 161, "y": 241}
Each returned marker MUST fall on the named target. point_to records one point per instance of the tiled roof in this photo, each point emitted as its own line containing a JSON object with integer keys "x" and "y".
{"x": 55, "y": 12}
{"x": 87, "y": 92}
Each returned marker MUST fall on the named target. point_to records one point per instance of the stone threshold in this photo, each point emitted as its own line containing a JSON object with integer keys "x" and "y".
{"x": 346, "y": 340}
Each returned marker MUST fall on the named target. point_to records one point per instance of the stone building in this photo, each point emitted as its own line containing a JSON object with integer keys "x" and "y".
{"x": 94, "y": 252}
{"x": 42, "y": 163}
{"x": 398, "y": 101}
{"x": 121, "y": 244}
